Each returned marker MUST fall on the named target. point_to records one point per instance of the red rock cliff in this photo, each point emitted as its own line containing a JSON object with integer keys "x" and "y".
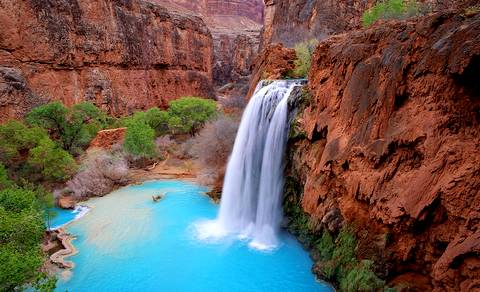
{"x": 392, "y": 146}
{"x": 235, "y": 27}
{"x": 293, "y": 21}
{"x": 250, "y": 9}
{"x": 121, "y": 55}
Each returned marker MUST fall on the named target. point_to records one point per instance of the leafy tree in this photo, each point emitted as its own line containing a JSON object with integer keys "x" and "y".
{"x": 16, "y": 140}
{"x": 87, "y": 111}
{"x": 175, "y": 125}
{"x": 51, "y": 116}
{"x": 52, "y": 162}
{"x": 21, "y": 231}
{"x": 157, "y": 120}
{"x": 72, "y": 128}
{"x": 188, "y": 114}
{"x": 44, "y": 199}
{"x": 15, "y": 199}
{"x": 139, "y": 139}
{"x": 18, "y": 266}
{"x": 303, "y": 62}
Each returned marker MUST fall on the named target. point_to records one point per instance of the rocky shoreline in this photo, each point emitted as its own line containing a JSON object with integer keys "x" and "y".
{"x": 59, "y": 246}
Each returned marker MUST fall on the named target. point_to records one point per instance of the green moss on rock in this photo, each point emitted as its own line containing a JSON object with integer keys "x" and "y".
{"x": 335, "y": 255}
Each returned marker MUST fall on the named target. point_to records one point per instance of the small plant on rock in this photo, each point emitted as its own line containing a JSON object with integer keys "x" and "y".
{"x": 390, "y": 9}
{"x": 361, "y": 278}
{"x": 303, "y": 62}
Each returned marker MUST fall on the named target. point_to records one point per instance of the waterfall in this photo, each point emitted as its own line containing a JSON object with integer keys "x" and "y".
{"x": 251, "y": 204}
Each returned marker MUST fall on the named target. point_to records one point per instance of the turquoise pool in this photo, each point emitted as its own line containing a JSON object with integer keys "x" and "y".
{"x": 127, "y": 242}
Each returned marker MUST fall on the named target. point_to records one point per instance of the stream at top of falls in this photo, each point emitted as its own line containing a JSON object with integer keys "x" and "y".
{"x": 126, "y": 242}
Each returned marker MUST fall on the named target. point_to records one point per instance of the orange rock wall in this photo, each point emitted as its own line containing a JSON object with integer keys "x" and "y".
{"x": 251, "y": 9}
{"x": 274, "y": 62}
{"x": 293, "y": 21}
{"x": 107, "y": 138}
{"x": 236, "y": 28}
{"x": 392, "y": 145}
{"x": 121, "y": 55}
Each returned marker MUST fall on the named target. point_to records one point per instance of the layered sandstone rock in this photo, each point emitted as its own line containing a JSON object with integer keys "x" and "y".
{"x": 107, "y": 138}
{"x": 121, "y": 55}
{"x": 390, "y": 143}
{"x": 235, "y": 27}
{"x": 274, "y": 62}
{"x": 250, "y": 9}
{"x": 293, "y": 21}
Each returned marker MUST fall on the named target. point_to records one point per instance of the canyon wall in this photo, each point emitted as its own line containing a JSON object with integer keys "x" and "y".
{"x": 121, "y": 55}
{"x": 235, "y": 26}
{"x": 293, "y": 21}
{"x": 250, "y": 9}
{"x": 389, "y": 142}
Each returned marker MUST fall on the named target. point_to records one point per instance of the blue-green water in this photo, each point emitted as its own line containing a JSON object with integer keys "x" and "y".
{"x": 128, "y": 243}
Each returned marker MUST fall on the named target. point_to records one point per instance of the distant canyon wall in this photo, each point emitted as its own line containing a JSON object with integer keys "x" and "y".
{"x": 236, "y": 28}
{"x": 251, "y": 9}
{"x": 120, "y": 55}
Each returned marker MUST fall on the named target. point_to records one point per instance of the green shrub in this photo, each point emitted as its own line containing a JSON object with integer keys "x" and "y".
{"x": 88, "y": 112}
{"x": 51, "y": 116}
{"x": 157, "y": 120}
{"x": 29, "y": 152}
{"x": 5, "y": 182}
{"x": 154, "y": 117}
{"x": 21, "y": 232}
{"x": 73, "y": 128}
{"x": 361, "y": 278}
{"x": 326, "y": 246}
{"x": 139, "y": 139}
{"x": 15, "y": 199}
{"x": 188, "y": 114}
{"x": 471, "y": 11}
{"x": 390, "y": 9}
{"x": 303, "y": 62}
{"x": 346, "y": 244}
{"x": 299, "y": 222}
{"x": 18, "y": 266}
{"x": 16, "y": 140}
{"x": 51, "y": 161}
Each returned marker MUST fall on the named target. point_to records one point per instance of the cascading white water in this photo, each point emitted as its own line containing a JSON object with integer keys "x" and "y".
{"x": 253, "y": 186}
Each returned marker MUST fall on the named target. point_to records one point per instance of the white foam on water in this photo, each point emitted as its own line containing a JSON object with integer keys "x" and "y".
{"x": 79, "y": 210}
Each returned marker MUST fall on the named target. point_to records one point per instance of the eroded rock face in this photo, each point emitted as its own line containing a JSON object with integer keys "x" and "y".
{"x": 235, "y": 26}
{"x": 391, "y": 139}
{"x": 121, "y": 55}
{"x": 293, "y": 21}
{"x": 250, "y": 9}
{"x": 105, "y": 139}
{"x": 274, "y": 62}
